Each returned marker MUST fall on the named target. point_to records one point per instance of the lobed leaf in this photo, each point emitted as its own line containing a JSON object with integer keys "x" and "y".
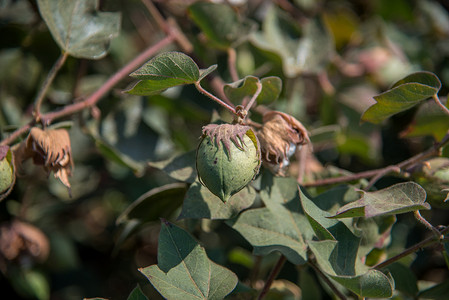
{"x": 247, "y": 87}
{"x": 396, "y": 199}
{"x": 184, "y": 271}
{"x": 79, "y": 28}
{"x": 201, "y": 203}
{"x": 281, "y": 226}
{"x": 164, "y": 71}
{"x": 404, "y": 94}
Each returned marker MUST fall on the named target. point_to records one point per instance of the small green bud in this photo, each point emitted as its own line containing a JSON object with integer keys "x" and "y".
{"x": 227, "y": 159}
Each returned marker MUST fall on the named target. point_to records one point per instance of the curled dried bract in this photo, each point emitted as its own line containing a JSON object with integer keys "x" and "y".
{"x": 50, "y": 148}
{"x": 279, "y": 137}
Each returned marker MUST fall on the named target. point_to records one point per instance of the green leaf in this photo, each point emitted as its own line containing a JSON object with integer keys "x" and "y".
{"x": 201, "y": 203}
{"x": 281, "y": 226}
{"x": 396, "y": 199}
{"x": 338, "y": 253}
{"x": 79, "y": 28}
{"x": 184, "y": 271}
{"x": 333, "y": 260}
{"x": 180, "y": 167}
{"x": 404, "y": 94}
{"x": 7, "y": 172}
{"x": 157, "y": 202}
{"x": 218, "y": 22}
{"x": 436, "y": 292}
{"x": 247, "y": 87}
{"x": 137, "y": 294}
{"x": 116, "y": 156}
{"x": 429, "y": 120}
{"x": 302, "y": 50}
{"x": 166, "y": 70}
{"x": 205, "y": 72}
{"x": 404, "y": 279}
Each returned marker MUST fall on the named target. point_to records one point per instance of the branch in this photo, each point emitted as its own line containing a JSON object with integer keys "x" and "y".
{"x": 256, "y": 94}
{"x": 98, "y": 94}
{"x": 327, "y": 281}
{"x": 48, "y": 81}
{"x": 216, "y": 99}
{"x": 435, "y": 150}
{"x": 232, "y": 57}
{"x": 274, "y": 273}
{"x": 425, "y": 243}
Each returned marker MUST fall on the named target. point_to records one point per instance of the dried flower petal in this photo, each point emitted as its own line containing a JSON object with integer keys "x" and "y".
{"x": 279, "y": 138}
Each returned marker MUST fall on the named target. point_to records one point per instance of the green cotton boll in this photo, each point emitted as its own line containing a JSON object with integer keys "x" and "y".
{"x": 6, "y": 175}
{"x": 225, "y": 172}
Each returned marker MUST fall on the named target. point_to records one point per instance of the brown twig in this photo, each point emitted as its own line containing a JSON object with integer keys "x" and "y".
{"x": 274, "y": 273}
{"x": 435, "y": 150}
{"x": 425, "y": 243}
{"x": 214, "y": 98}
{"x": 327, "y": 281}
{"x": 254, "y": 97}
{"x": 232, "y": 57}
{"x": 48, "y": 81}
{"x": 98, "y": 94}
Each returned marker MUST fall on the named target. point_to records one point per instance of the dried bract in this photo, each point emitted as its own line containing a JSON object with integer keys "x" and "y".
{"x": 279, "y": 137}
{"x": 50, "y": 148}
{"x": 18, "y": 239}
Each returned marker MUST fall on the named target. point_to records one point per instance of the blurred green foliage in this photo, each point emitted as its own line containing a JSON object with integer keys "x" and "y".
{"x": 134, "y": 155}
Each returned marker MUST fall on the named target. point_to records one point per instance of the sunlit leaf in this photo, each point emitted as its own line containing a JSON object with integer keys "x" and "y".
{"x": 79, "y": 28}
{"x": 396, "y": 199}
{"x": 247, "y": 87}
{"x": 404, "y": 94}
{"x": 201, "y": 203}
{"x": 166, "y": 70}
{"x": 184, "y": 271}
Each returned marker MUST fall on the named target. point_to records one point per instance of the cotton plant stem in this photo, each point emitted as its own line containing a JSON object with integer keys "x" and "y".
{"x": 254, "y": 97}
{"x": 214, "y": 98}
{"x": 426, "y": 223}
{"x": 425, "y": 243}
{"x": 47, "y": 83}
{"x": 327, "y": 281}
{"x": 274, "y": 273}
{"x": 435, "y": 150}
{"x": 98, "y": 94}
{"x": 441, "y": 105}
{"x": 232, "y": 58}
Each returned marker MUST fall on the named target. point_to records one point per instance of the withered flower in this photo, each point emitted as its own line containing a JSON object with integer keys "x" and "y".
{"x": 279, "y": 137}
{"x": 50, "y": 148}
{"x": 18, "y": 239}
